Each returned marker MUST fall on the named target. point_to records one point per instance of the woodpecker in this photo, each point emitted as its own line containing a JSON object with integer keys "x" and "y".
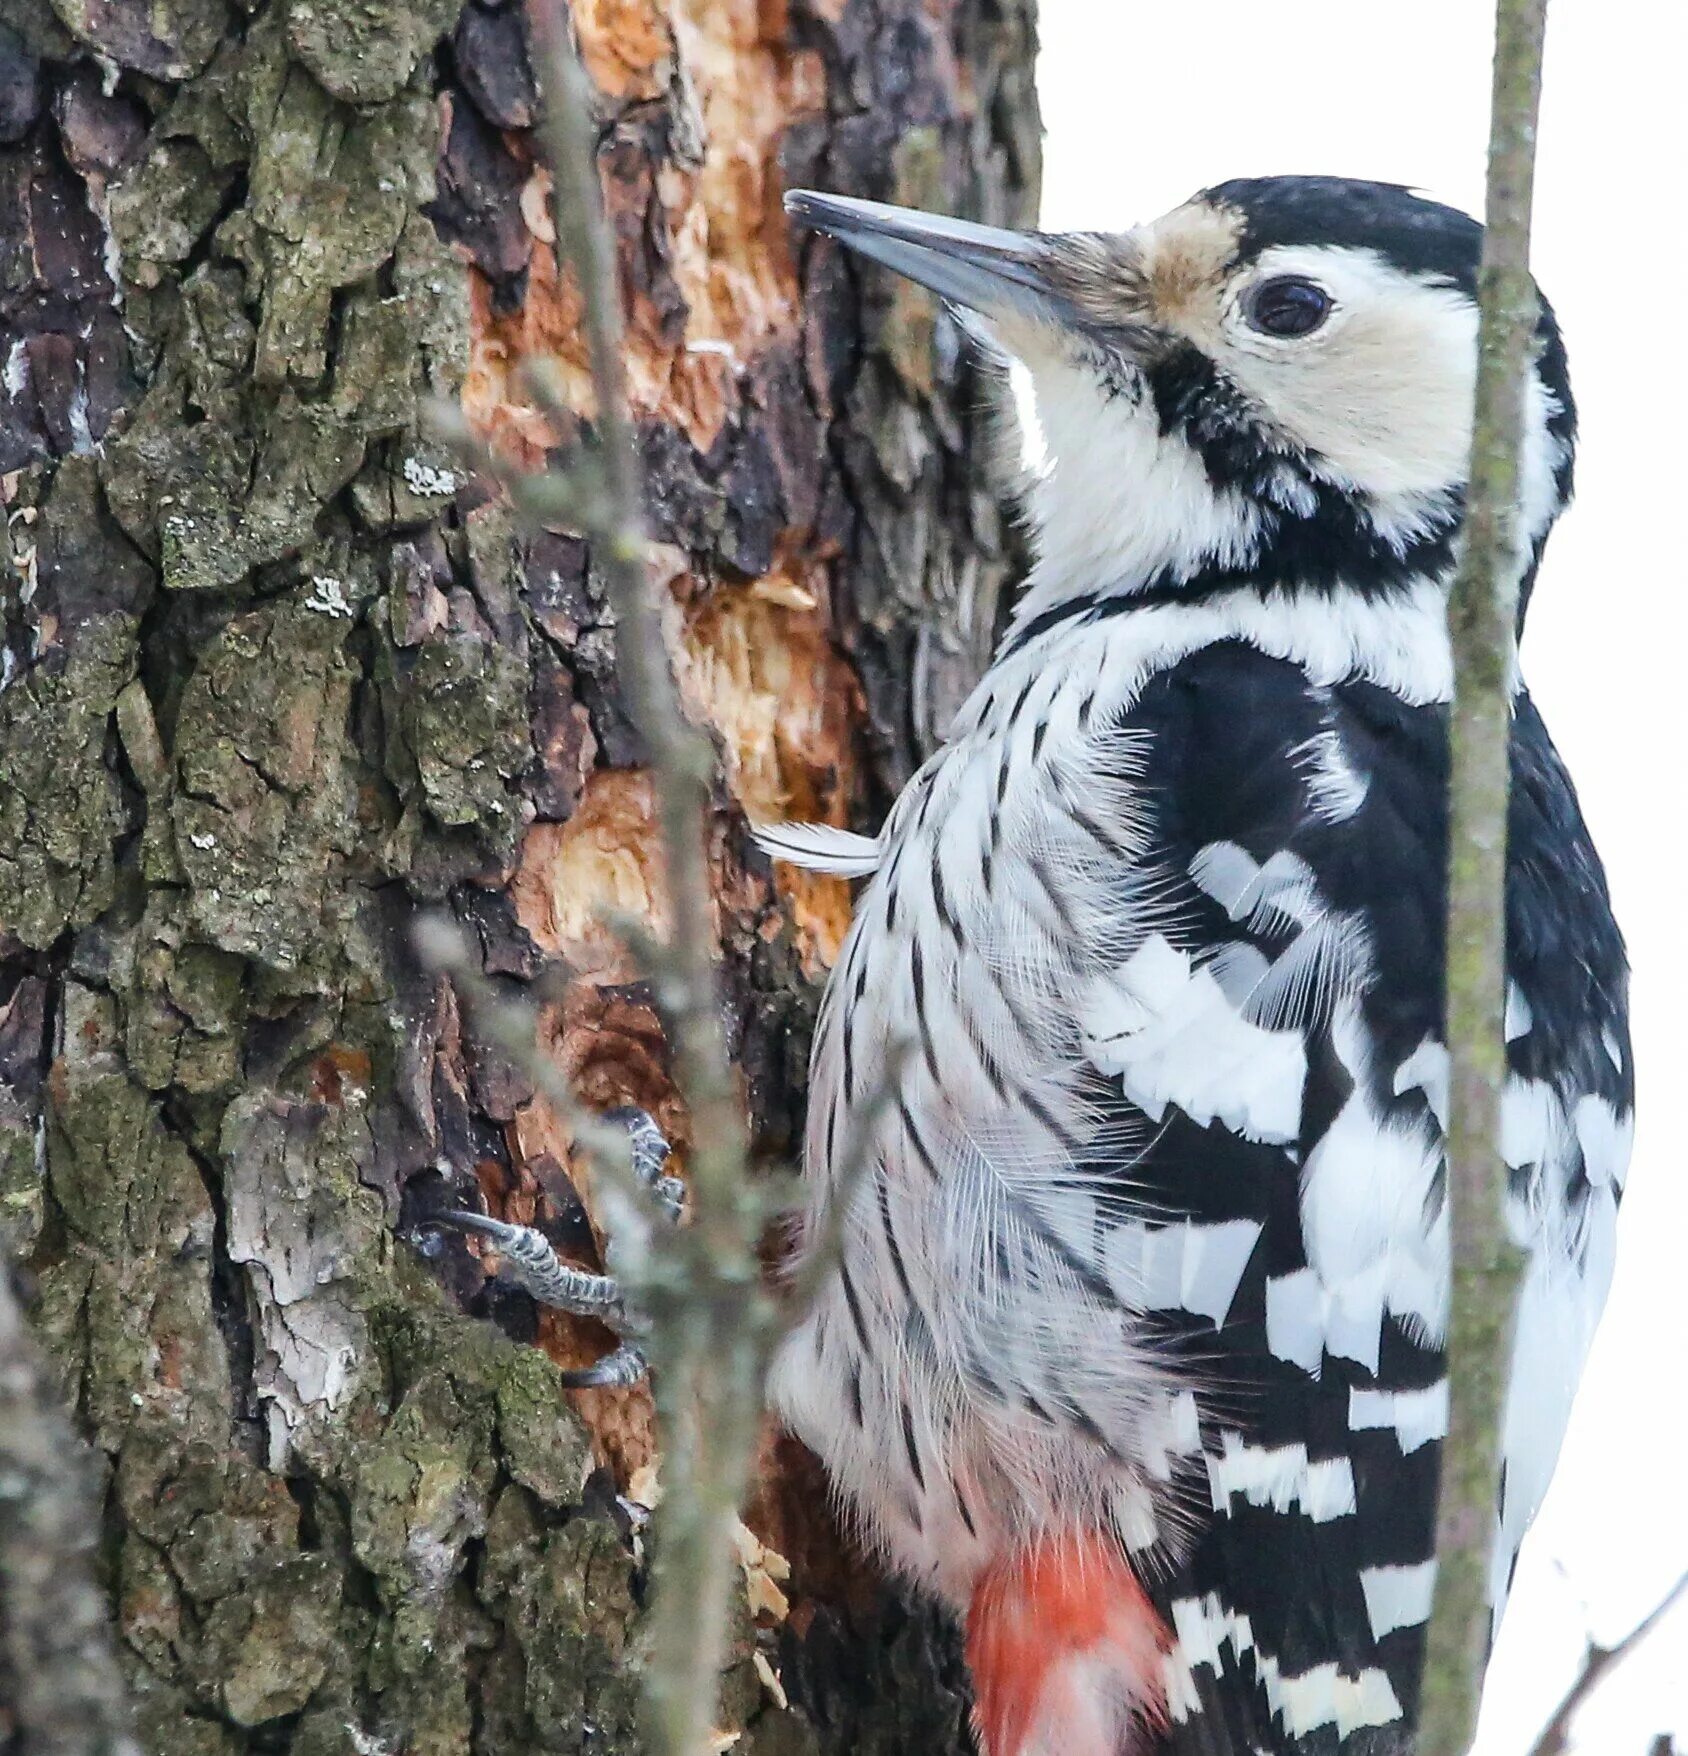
{"x": 1133, "y": 1352}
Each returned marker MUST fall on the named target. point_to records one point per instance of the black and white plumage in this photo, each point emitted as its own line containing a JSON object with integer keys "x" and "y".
{"x": 1153, "y": 1255}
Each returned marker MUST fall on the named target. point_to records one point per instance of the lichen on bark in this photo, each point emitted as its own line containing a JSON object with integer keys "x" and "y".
{"x": 279, "y": 675}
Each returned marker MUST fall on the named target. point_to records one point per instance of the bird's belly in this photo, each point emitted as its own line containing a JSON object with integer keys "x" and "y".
{"x": 948, "y": 1373}
{"x": 969, "y": 1376}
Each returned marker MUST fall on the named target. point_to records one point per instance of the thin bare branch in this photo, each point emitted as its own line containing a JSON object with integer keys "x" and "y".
{"x": 1482, "y": 616}
{"x": 1598, "y": 1663}
{"x": 574, "y": 497}
{"x": 681, "y": 757}
{"x": 713, "y": 1323}
{"x": 512, "y": 1025}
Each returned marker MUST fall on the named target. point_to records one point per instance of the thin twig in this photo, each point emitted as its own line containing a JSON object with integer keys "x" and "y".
{"x": 713, "y": 1323}
{"x": 574, "y": 498}
{"x": 1598, "y": 1663}
{"x": 512, "y": 1026}
{"x": 1482, "y": 615}
{"x": 681, "y": 758}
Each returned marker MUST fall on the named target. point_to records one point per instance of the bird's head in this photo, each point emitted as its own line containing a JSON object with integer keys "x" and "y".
{"x": 1271, "y": 385}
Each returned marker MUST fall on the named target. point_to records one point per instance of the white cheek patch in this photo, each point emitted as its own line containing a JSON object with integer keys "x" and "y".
{"x": 1382, "y": 393}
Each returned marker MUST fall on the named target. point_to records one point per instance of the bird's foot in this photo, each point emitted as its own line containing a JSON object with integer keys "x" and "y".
{"x": 650, "y": 1153}
{"x": 528, "y": 1260}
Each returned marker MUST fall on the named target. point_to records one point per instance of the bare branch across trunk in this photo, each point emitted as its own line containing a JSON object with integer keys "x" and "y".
{"x": 1597, "y": 1665}
{"x": 1482, "y": 619}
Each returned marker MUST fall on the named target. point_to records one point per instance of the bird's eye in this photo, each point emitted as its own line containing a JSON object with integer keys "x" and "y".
{"x": 1287, "y": 306}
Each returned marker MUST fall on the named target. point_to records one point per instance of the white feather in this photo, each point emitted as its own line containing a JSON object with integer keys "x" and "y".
{"x": 1418, "y": 1416}
{"x": 818, "y": 847}
{"x": 1397, "y": 1597}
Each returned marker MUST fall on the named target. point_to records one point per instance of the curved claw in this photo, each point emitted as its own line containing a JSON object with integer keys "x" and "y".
{"x": 621, "y": 1367}
{"x": 482, "y": 1224}
{"x": 530, "y": 1263}
{"x": 650, "y": 1151}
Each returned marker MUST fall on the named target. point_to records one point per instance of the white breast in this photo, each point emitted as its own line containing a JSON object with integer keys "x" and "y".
{"x": 988, "y": 1284}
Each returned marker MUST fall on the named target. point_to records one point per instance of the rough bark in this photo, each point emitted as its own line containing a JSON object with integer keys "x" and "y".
{"x": 278, "y": 677}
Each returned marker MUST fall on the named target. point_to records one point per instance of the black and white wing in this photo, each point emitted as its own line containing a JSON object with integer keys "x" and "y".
{"x": 1281, "y": 1033}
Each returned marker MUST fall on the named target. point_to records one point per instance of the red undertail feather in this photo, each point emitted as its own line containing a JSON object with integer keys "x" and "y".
{"x": 1065, "y": 1651}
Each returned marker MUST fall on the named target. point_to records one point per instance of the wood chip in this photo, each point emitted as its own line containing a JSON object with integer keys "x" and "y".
{"x": 770, "y": 1680}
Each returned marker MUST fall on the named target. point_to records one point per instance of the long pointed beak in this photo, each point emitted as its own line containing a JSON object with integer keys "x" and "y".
{"x": 981, "y": 267}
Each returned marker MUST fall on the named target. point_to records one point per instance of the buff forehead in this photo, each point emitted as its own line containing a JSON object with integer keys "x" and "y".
{"x": 1186, "y": 257}
{"x": 1166, "y": 274}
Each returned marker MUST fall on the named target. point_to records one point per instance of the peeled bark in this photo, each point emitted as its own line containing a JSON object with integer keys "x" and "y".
{"x": 279, "y": 676}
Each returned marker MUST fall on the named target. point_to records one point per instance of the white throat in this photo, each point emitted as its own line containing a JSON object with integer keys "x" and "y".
{"x": 1114, "y": 503}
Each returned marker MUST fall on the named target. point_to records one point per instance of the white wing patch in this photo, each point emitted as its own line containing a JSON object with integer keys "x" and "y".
{"x": 1303, "y": 1702}
{"x": 1426, "y": 1069}
{"x": 1418, "y": 1416}
{"x": 1374, "y": 1238}
{"x": 1182, "y": 1267}
{"x": 1167, "y": 1028}
{"x": 1328, "y": 954}
{"x": 1335, "y": 788}
{"x": 818, "y": 847}
{"x": 1327, "y": 1695}
{"x": 1281, "y": 1477}
{"x": 1397, "y": 1597}
{"x": 1571, "y": 1240}
{"x": 1605, "y": 1138}
{"x": 1533, "y": 1129}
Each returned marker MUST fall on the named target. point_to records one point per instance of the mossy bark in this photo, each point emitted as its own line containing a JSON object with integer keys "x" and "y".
{"x": 278, "y": 676}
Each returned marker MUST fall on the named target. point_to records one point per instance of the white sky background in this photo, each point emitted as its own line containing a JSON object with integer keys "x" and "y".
{"x": 1144, "y": 104}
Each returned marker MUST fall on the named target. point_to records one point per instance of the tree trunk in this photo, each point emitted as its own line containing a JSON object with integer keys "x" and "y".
{"x": 279, "y": 676}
